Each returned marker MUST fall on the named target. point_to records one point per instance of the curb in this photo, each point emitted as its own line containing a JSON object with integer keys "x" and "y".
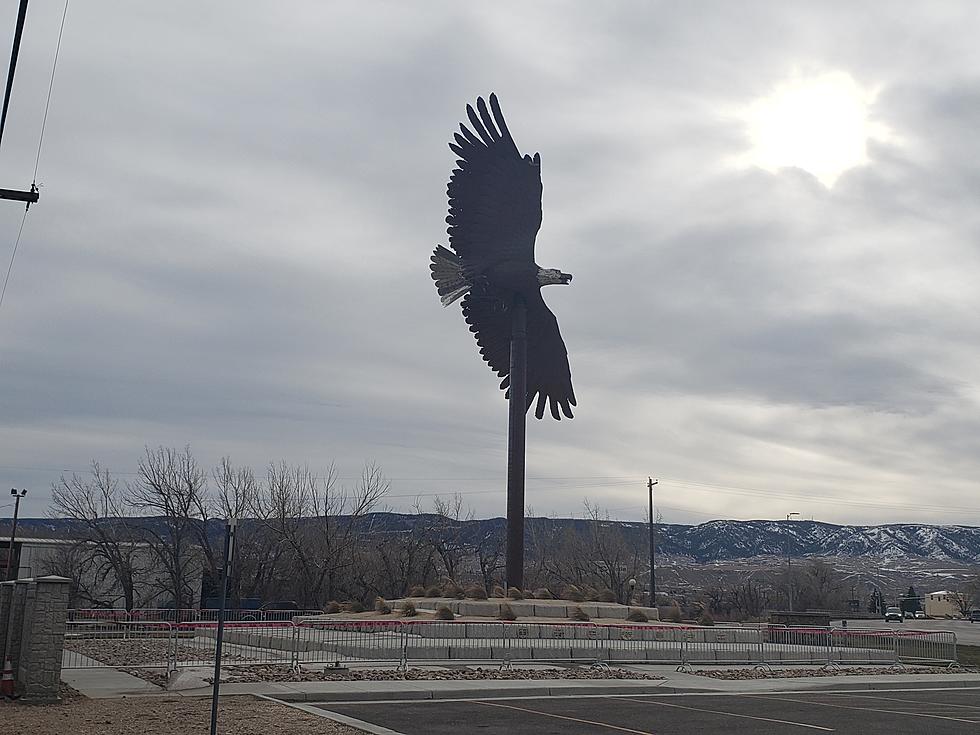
{"x": 599, "y": 691}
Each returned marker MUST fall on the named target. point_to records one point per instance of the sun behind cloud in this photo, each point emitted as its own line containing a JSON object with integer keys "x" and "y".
{"x": 817, "y": 123}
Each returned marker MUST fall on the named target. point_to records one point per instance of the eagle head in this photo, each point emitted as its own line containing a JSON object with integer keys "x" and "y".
{"x": 553, "y": 277}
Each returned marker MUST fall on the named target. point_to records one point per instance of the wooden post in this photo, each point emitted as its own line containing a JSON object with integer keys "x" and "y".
{"x": 516, "y": 444}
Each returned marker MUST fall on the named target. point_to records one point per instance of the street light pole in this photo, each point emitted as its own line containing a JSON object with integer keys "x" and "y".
{"x": 653, "y": 546}
{"x": 18, "y": 494}
{"x": 229, "y": 553}
{"x": 789, "y": 567}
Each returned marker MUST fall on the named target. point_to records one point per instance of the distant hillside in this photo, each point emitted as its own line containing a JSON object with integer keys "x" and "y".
{"x": 706, "y": 542}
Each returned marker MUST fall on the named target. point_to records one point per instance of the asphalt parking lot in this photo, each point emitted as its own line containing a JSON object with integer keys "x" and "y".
{"x": 889, "y": 712}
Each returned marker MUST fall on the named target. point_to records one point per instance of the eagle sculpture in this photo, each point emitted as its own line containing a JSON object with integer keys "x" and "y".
{"x": 494, "y": 216}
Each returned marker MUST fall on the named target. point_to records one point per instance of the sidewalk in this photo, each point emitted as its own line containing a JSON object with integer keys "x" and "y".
{"x": 106, "y": 683}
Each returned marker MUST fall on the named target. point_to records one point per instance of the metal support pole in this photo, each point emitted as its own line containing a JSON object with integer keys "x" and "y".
{"x": 653, "y": 546}
{"x": 229, "y": 549}
{"x": 18, "y": 494}
{"x": 516, "y": 445}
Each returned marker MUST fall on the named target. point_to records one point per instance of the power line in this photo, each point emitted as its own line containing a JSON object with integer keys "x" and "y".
{"x": 13, "y": 255}
{"x": 47, "y": 104}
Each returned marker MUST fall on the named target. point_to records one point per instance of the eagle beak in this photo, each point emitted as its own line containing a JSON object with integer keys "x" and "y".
{"x": 566, "y": 278}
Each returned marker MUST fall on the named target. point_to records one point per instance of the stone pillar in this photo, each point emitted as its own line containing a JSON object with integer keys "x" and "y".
{"x": 6, "y": 600}
{"x": 43, "y": 639}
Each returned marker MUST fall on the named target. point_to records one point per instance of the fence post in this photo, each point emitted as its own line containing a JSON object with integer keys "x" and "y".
{"x": 294, "y": 659}
{"x": 173, "y": 635}
{"x": 894, "y": 647}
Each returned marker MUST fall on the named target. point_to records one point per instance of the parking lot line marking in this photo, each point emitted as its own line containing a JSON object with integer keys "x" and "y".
{"x": 873, "y": 709}
{"x": 910, "y": 701}
{"x": 326, "y": 714}
{"x": 729, "y": 714}
{"x": 565, "y": 717}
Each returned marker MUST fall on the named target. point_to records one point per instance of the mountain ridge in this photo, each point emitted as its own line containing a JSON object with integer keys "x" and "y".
{"x": 717, "y": 540}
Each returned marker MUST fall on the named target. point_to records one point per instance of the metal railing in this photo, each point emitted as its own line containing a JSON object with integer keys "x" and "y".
{"x": 135, "y": 643}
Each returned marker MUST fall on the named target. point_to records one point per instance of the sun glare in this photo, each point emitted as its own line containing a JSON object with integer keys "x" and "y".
{"x": 820, "y": 124}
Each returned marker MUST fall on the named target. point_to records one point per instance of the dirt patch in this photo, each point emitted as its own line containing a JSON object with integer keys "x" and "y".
{"x": 763, "y": 673}
{"x": 162, "y": 716}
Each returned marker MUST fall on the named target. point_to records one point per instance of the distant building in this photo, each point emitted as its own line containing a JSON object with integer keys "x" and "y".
{"x": 93, "y": 584}
{"x": 31, "y": 556}
{"x": 943, "y": 604}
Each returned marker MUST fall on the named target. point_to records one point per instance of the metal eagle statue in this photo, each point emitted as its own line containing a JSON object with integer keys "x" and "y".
{"x": 494, "y": 217}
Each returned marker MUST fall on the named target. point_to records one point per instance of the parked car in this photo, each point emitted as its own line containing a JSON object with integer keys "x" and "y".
{"x": 920, "y": 614}
{"x": 894, "y": 613}
{"x": 974, "y": 616}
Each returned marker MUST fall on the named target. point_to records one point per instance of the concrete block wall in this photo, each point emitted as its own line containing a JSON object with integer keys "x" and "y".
{"x": 35, "y": 617}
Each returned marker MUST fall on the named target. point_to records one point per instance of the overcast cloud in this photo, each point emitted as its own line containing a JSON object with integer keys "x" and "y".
{"x": 239, "y": 201}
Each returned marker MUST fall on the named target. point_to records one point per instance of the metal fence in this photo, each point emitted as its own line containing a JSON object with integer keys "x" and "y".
{"x": 133, "y": 643}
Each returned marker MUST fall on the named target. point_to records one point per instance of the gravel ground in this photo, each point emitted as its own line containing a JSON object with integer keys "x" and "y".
{"x": 237, "y": 674}
{"x": 763, "y": 673}
{"x": 160, "y": 716}
{"x": 139, "y": 651}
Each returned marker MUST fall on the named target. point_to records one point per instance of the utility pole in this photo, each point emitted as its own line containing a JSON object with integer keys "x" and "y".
{"x": 789, "y": 565}
{"x": 21, "y": 196}
{"x": 653, "y": 546}
{"x": 18, "y": 494}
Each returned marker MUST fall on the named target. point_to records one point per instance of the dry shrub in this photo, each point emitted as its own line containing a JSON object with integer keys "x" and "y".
{"x": 444, "y": 613}
{"x": 607, "y": 595}
{"x": 514, "y": 593}
{"x": 332, "y": 607}
{"x": 408, "y": 609}
{"x": 543, "y": 593}
{"x": 506, "y": 613}
{"x": 706, "y": 619}
{"x": 433, "y": 591}
{"x": 355, "y": 606}
{"x": 476, "y": 592}
{"x": 451, "y": 589}
{"x": 637, "y": 616}
{"x": 672, "y": 614}
{"x": 579, "y": 614}
{"x": 498, "y": 591}
{"x": 381, "y": 606}
{"x": 591, "y": 594}
{"x": 416, "y": 590}
{"x": 573, "y": 593}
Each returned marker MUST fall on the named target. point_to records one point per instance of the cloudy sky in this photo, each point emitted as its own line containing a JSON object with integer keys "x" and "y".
{"x": 770, "y": 210}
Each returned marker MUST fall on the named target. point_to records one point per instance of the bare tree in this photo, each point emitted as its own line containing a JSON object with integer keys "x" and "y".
{"x": 317, "y": 523}
{"x": 103, "y": 511}
{"x": 171, "y": 489}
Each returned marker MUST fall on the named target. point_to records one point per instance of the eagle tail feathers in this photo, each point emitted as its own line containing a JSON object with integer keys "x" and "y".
{"x": 447, "y": 272}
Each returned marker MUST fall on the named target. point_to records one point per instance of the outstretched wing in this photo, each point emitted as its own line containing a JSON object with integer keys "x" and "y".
{"x": 548, "y": 375}
{"x": 495, "y": 194}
